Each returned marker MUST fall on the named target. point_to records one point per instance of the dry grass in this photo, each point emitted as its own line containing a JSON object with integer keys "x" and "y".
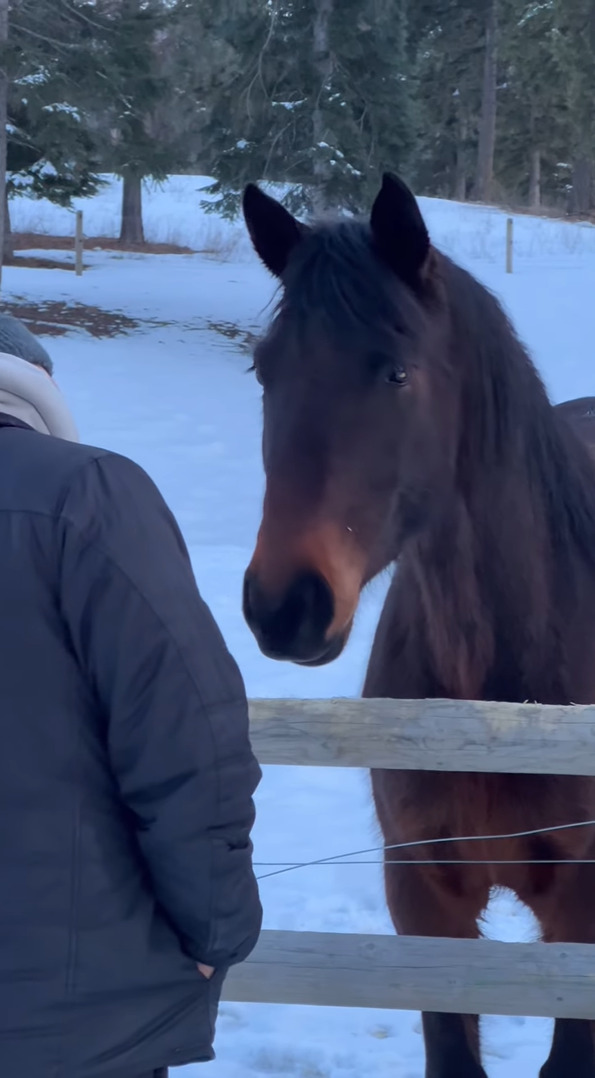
{"x": 56, "y": 318}
{"x": 38, "y": 241}
{"x": 216, "y": 243}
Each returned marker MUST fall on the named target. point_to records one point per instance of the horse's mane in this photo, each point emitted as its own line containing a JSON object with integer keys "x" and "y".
{"x": 336, "y": 278}
{"x": 511, "y": 426}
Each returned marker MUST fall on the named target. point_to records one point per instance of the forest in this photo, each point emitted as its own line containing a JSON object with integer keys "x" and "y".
{"x": 487, "y": 100}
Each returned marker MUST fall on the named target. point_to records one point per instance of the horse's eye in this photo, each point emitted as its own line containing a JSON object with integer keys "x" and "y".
{"x": 398, "y": 376}
{"x": 253, "y": 369}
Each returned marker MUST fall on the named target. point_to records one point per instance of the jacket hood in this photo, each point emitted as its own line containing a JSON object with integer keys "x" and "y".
{"x": 28, "y": 393}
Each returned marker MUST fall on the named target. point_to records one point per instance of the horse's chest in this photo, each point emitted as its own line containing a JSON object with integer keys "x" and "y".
{"x": 420, "y": 806}
{"x": 472, "y": 832}
{"x": 416, "y": 805}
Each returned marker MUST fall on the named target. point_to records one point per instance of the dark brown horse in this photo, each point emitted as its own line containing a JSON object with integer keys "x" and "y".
{"x": 404, "y": 422}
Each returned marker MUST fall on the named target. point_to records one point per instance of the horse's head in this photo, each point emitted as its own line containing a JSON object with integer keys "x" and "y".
{"x": 359, "y": 413}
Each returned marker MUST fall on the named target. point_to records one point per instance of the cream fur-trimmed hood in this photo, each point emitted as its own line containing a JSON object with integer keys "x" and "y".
{"x": 29, "y": 394}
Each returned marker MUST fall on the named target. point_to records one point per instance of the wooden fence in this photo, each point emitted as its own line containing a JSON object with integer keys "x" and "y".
{"x": 411, "y": 973}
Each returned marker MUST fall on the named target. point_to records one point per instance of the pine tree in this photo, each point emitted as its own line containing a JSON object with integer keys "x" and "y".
{"x": 140, "y": 93}
{"x": 317, "y": 95}
{"x": 533, "y": 130}
{"x": 322, "y": 103}
{"x": 486, "y": 142}
{"x": 51, "y": 152}
{"x": 575, "y": 45}
{"x": 447, "y": 54}
{"x": 124, "y": 86}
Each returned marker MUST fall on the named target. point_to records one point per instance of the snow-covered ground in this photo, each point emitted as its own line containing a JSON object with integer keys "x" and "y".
{"x": 174, "y": 395}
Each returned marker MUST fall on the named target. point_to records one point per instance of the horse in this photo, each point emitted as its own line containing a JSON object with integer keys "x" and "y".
{"x": 405, "y": 424}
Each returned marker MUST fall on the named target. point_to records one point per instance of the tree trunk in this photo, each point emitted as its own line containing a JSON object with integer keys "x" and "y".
{"x": 460, "y": 187}
{"x": 487, "y": 124}
{"x": 323, "y": 65}
{"x": 535, "y": 180}
{"x": 132, "y": 209}
{"x": 460, "y": 179}
{"x": 582, "y": 187}
{"x": 3, "y": 121}
{"x": 8, "y": 239}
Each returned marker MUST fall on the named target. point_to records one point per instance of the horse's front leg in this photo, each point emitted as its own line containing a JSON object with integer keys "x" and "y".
{"x": 572, "y": 1050}
{"x": 423, "y": 903}
{"x": 566, "y": 912}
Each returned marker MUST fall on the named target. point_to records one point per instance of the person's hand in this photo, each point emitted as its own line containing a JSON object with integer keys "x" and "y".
{"x": 207, "y": 971}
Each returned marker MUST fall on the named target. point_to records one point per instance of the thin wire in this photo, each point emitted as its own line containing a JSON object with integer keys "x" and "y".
{"x": 453, "y": 861}
{"x": 339, "y": 858}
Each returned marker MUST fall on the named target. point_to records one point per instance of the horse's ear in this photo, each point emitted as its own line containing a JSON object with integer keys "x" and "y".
{"x": 273, "y": 230}
{"x": 399, "y": 230}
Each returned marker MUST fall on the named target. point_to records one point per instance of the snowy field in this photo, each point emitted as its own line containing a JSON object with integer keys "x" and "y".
{"x": 174, "y": 395}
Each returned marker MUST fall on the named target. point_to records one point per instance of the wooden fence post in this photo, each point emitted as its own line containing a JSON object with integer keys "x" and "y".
{"x": 509, "y": 244}
{"x": 78, "y": 244}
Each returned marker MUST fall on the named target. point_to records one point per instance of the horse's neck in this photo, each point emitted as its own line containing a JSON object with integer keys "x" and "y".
{"x": 497, "y": 595}
{"x": 458, "y": 628}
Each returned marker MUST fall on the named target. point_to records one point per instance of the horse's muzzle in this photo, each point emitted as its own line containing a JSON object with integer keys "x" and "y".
{"x": 292, "y": 625}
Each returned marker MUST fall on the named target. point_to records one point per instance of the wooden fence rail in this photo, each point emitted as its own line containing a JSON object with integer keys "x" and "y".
{"x": 429, "y": 735}
{"x": 546, "y": 980}
{"x": 455, "y": 975}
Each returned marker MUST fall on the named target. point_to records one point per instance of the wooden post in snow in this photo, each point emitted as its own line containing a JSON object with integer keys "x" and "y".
{"x": 78, "y": 244}
{"x": 509, "y": 243}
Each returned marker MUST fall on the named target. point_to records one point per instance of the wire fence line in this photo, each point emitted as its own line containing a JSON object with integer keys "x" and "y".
{"x": 459, "y": 976}
{"x": 283, "y": 867}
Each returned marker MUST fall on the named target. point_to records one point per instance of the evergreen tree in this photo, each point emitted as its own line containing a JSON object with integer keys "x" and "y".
{"x": 486, "y": 141}
{"x": 323, "y": 103}
{"x": 447, "y": 53}
{"x": 533, "y": 129}
{"x": 317, "y": 95}
{"x": 124, "y": 87}
{"x": 575, "y": 45}
{"x": 116, "y": 80}
{"x": 50, "y": 152}
{"x": 141, "y": 94}
{"x": 199, "y": 62}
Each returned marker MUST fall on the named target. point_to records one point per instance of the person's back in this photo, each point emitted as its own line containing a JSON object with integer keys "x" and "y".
{"x": 126, "y": 774}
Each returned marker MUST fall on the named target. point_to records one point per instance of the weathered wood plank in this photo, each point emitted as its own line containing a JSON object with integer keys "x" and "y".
{"x": 431, "y": 735}
{"x": 409, "y": 973}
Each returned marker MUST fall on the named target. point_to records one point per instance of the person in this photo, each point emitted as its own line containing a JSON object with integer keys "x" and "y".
{"x": 127, "y": 888}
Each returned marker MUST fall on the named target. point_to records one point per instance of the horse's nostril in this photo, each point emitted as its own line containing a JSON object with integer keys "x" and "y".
{"x": 256, "y": 602}
{"x": 291, "y": 625}
{"x": 313, "y": 600}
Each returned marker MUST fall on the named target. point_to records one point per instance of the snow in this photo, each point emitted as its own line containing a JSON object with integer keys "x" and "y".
{"x": 64, "y": 107}
{"x": 176, "y": 397}
{"x": 35, "y": 79}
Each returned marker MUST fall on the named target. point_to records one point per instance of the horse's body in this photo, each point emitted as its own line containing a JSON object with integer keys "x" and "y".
{"x": 462, "y": 471}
